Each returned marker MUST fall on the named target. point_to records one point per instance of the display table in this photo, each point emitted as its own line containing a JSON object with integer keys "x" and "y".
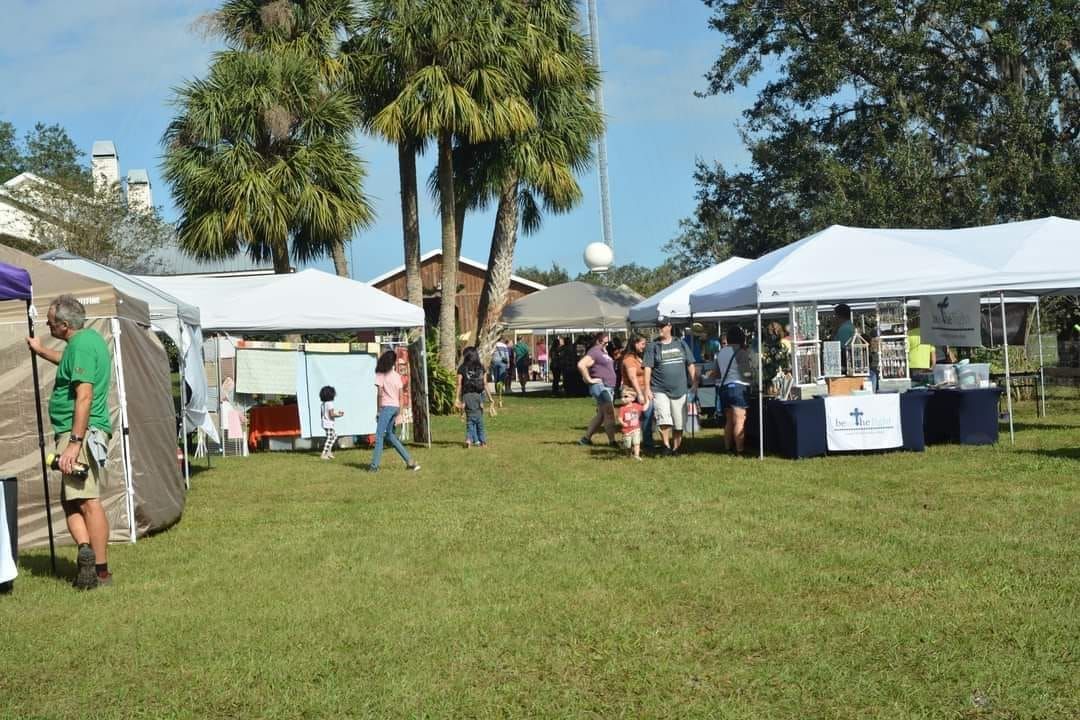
{"x": 968, "y": 417}
{"x": 796, "y": 428}
{"x": 266, "y": 421}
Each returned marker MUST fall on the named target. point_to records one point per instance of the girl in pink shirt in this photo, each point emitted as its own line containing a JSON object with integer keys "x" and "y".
{"x": 388, "y": 386}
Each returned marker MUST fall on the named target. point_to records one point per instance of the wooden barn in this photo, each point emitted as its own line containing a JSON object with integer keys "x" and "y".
{"x": 470, "y": 284}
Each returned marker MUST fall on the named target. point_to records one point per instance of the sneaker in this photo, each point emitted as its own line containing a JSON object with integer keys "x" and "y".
{"x": 636, "y": 457}
{"x": 87, "y": 578}
{"x": 584, "y": 441}
{"x": 414, "y": 467}
{"x": 104, "y": 580}
{"x": 667, "y": 452}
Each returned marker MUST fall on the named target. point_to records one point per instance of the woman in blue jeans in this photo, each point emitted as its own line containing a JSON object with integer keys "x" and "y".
{"x": 388, "y": 386}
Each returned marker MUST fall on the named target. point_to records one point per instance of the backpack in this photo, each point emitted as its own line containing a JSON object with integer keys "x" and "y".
{"x": 472, "y": 380}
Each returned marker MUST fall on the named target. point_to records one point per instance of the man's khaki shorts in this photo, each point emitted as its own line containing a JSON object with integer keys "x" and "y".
{"x": 670, "y": 412}
{"x": 76, "y": 488}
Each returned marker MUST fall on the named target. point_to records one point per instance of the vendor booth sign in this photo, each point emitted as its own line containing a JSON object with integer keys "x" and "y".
{"x": 863, "y": 422}
{"x": 950, "y": 320}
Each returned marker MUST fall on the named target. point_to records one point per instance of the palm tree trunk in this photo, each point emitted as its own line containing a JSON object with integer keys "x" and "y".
{"x": 341, "y": 266}
{"x": 447, "y": 314}
{"x": 410, "y": 221}
{"x": 281, "y": 258}
{"x": 500, "y": 267}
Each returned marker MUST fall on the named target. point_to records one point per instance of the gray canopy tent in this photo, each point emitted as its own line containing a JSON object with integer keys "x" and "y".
{"x": 571, "y": 306}
{"x": 145, "y": 490}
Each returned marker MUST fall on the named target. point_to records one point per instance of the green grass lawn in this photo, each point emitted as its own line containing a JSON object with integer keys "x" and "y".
{"x": 539, "y": 578}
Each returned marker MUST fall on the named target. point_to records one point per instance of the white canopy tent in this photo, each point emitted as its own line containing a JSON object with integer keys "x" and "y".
{"x": 170, "y": 315}
{"x": 845, "y": 263}
{"x": 674, "y": 301}
{"x": 304, "y": 301}
{"x": 1034, "y": 257}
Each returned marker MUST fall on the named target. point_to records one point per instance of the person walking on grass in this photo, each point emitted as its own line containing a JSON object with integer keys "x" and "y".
{"x": 329, "y": 415}
{"x": 734, "y": 369}
{"x": 598, "y": 371}
{"x": 522, "y": 360}
{"x": 388, "y": 387}
{"x": 670, "y": 375}
{"x": 633, "y": 378}
{"x": 469, "y": 397}
{"x": 79, "y": 413}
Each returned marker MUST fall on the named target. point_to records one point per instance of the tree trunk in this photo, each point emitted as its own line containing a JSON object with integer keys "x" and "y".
{"x": 410, "y": 221}
{"x": 500, "y": 267}
{"x": 281, "y": 258}
{"x": 447, "y": 315}
{"x": 341, "y": 266}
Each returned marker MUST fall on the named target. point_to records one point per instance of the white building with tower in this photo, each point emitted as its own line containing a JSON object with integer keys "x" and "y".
{"x": 18, "y": 215}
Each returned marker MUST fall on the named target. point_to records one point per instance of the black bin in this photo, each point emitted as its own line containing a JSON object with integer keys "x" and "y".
{"x": 9, "y": 504}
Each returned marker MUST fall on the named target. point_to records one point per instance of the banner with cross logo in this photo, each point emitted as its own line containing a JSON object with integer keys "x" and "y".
{"x": 863, "y": 422}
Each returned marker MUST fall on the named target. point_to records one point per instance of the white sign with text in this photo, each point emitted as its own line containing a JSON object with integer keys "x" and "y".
{"x": 863, "y": 422}
{"x": 950, "y": 320}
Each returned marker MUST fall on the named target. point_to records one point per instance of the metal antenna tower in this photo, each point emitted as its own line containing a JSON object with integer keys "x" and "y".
{"x": 601, "y": 143}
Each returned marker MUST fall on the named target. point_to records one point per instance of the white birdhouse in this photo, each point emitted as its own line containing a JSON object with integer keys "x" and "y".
{"x": 858, "y": 356}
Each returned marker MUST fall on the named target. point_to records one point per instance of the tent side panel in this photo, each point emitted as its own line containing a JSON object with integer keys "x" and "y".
{"x": 159, "y": 485}
{"x": 19, "y": 443}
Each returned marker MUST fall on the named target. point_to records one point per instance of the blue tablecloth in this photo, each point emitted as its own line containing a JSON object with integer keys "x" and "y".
{"x": 796, "y": 428}
{"x": 968, "y": 417}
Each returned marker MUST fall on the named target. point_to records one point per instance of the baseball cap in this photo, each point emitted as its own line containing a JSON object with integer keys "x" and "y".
{"x": 662, "y": 321}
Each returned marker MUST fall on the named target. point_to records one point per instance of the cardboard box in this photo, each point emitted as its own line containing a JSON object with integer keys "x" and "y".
{"x": 844, "y": 385}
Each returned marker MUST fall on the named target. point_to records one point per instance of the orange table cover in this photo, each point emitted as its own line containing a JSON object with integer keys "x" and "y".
{"x": 272, "y": 421}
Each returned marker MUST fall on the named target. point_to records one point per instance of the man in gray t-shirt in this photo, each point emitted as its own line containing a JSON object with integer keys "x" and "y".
{"x": 669, "y": 374}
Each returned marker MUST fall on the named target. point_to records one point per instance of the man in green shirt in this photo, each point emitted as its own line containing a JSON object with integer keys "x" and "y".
{"x": 79, "y": 408}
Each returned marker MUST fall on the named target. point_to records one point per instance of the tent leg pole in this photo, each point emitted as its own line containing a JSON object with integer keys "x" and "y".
{"x": 1042, "y": 375}
{"x": 760, "y": 391}
{"x": 41, "y": 439}
{"x": 1008, "y": 376}
{"x": 221, "y": 420}
{"x": 427, "y": 396}
{"x": 183, "y": 417}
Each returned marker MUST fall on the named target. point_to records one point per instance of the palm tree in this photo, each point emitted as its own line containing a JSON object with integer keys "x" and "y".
{"x": 260, "y": 155}
{"x": 536, "y": 170}
{"x": 467, "y": 87}
{"x": 378, "y": 57}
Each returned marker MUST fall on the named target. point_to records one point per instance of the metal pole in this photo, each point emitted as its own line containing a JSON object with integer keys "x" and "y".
{"x": 183, "y": 407}
{"x": 601, "y": 142}
{"x": 125, "y": 427}
{"x": 1042, "y": 375}
{"x": 220, "y": 419}
{"x": 427, "y": 395}
{"x": 1008, "y": 377}
{"x": 41, "y": 435}
{"x": 760, "y": 391}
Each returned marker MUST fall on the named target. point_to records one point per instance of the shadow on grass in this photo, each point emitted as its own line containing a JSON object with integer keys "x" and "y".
{"x": 1070, "y": 453}
{"x": 1018, "y": 426}
{"x": 38, "y": 565}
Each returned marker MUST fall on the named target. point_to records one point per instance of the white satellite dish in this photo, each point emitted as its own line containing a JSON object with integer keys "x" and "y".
{"x": 598, "y": 257}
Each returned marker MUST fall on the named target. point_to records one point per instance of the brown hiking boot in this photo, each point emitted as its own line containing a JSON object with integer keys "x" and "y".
{"x": 86, "y": 578}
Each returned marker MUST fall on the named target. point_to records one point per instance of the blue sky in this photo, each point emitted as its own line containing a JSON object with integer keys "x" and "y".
{"x": 105, "y": 70}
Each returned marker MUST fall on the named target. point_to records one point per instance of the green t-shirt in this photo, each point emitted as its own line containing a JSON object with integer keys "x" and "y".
{"x": 844, "y": 333}
{"x": 86, "y": 359}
